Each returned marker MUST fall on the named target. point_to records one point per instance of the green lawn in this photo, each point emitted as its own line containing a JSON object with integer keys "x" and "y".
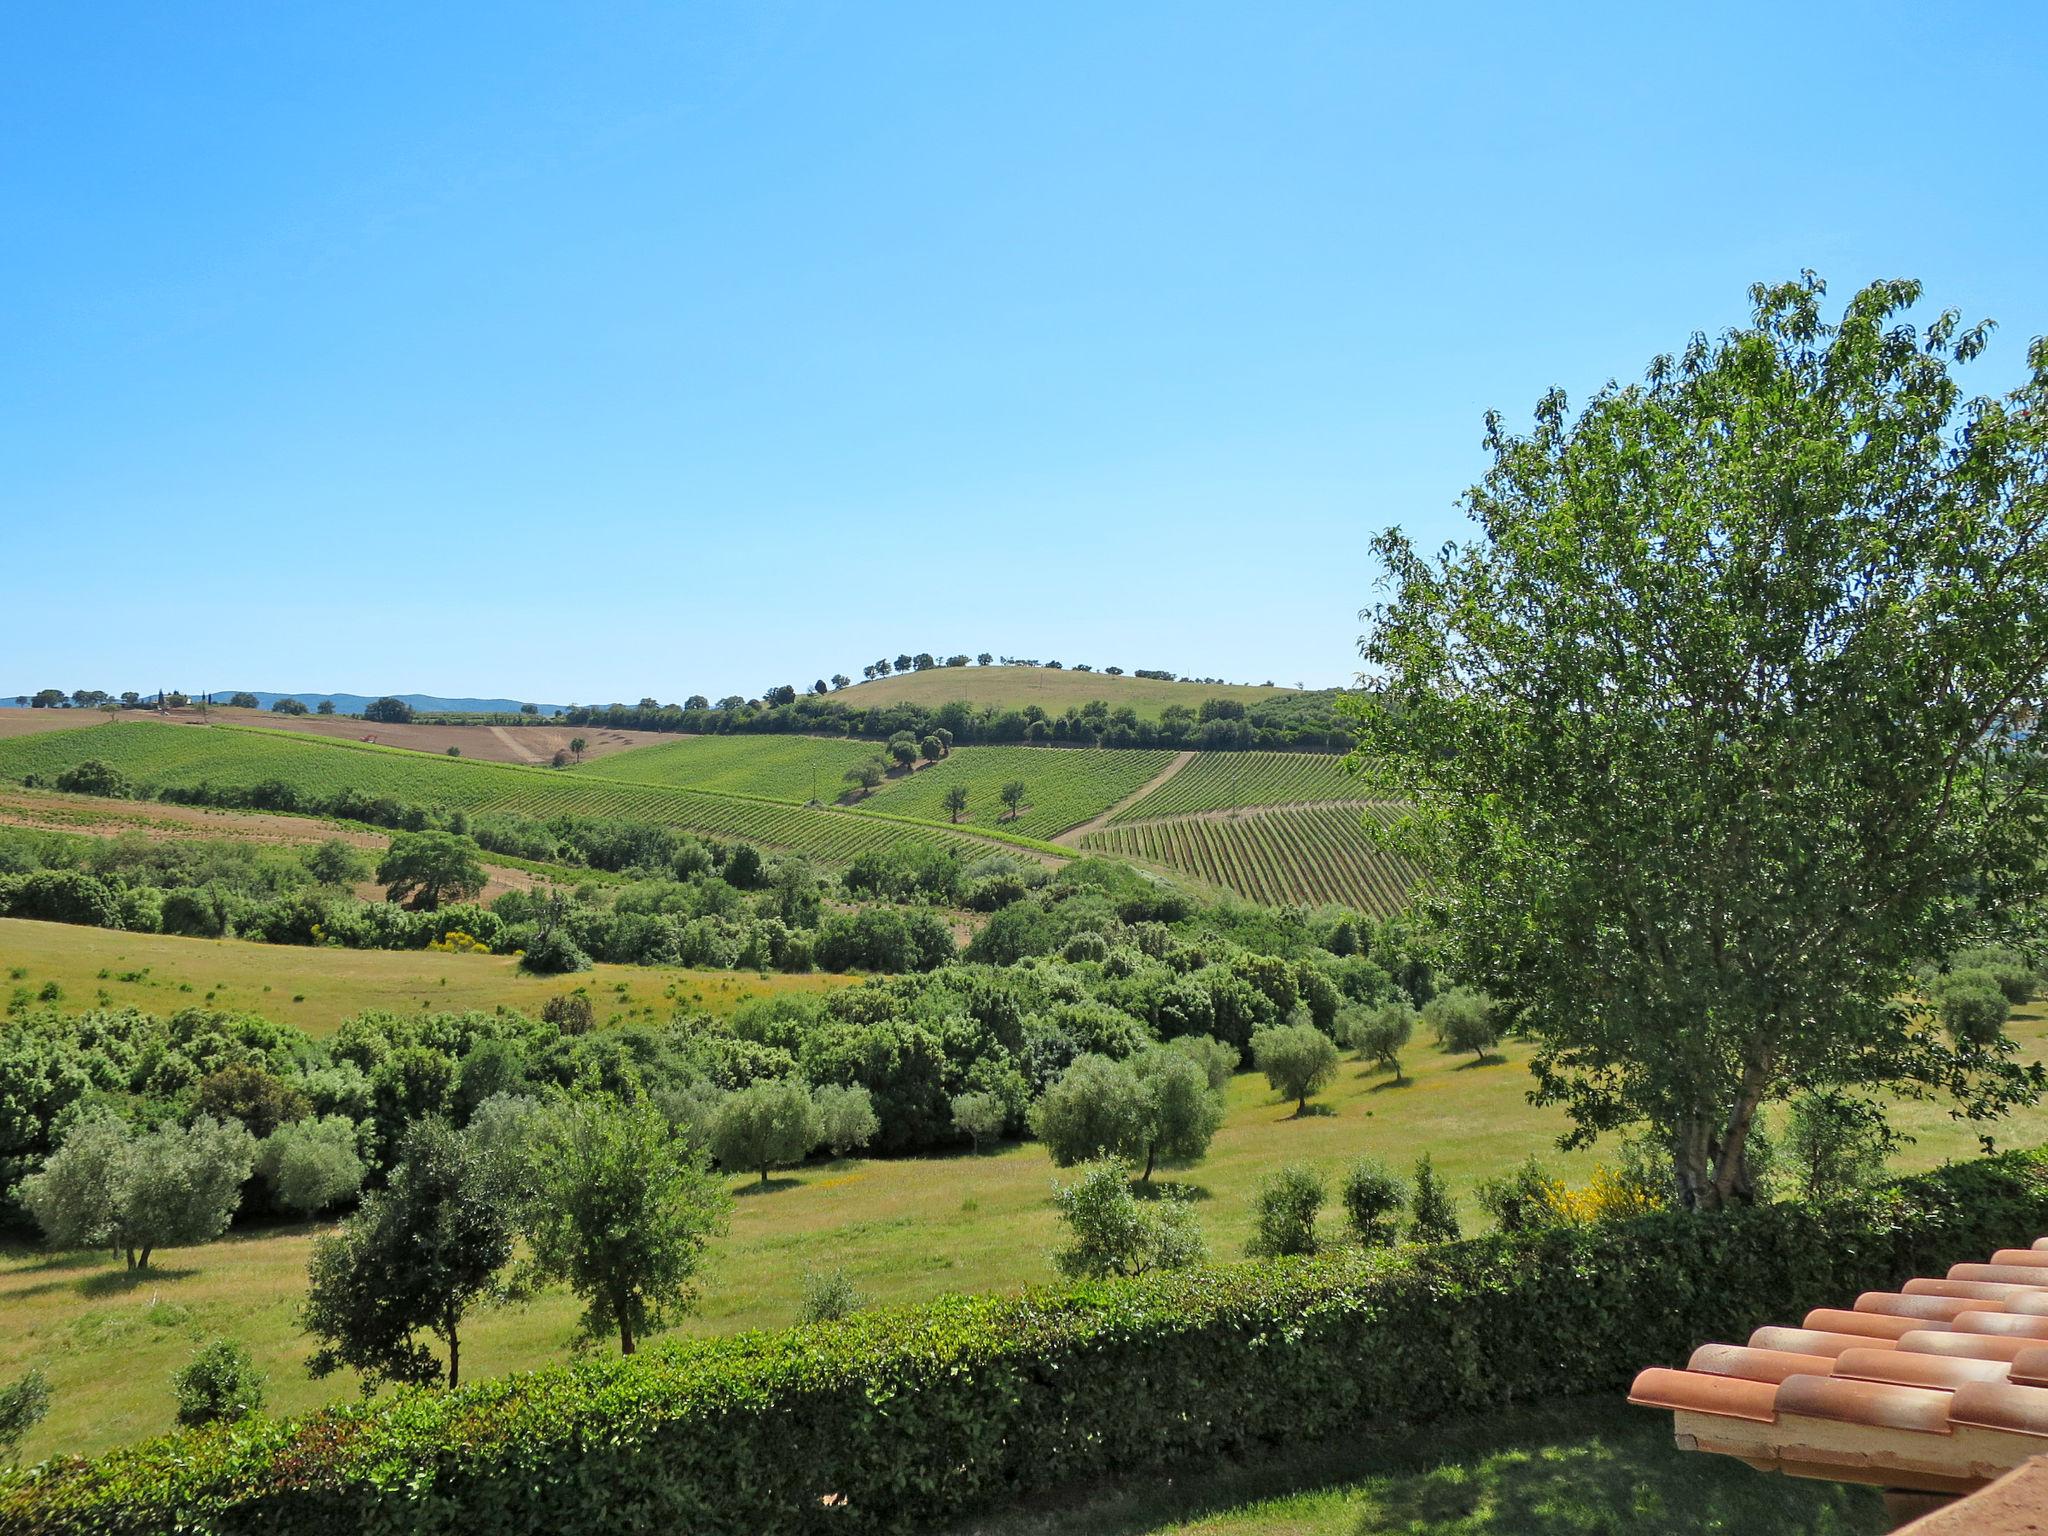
{"x": 1586, "y": 1467}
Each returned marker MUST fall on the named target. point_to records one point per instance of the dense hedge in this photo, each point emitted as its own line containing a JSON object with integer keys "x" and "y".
{"x": 918, "y": 1414}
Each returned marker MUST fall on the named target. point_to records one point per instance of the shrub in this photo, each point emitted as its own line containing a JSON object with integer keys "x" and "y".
{"x": 1298, "y": 1059}
{"x": 918, "y": 1416}
{"x": 1373, "y": 1198}
{"x": 1284, "y": 1212}
{"x": 569, "y": 1012}
{"x": 93, "y": 777}
{"x": 218, "y": 1382}
{"x": 1832, "y": 1146}
{"x": 23, "y": 1402}
{"x": 312, "y": 1165}
{"x": 1113, "y": 1232}
{"x": 1433, "y": 1214}
{"x": 1525, "y": 1199}
{"x": 829, "y": 1296}
{"x": 554, "y": 953}
{"x": 1971, "y": 1005}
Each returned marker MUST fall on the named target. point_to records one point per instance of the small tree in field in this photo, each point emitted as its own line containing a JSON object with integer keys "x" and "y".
{"x": 865, "y": 776}
{"x": 413, "y": 1260}
{"x": 1373, "y": 1198}
{"x": 578, "y": 746}
{"x": 1463, "y": 1021}
{"x": 1115, "y": 1233}
{"x": 1182, "y": 1113}
{"x": 956, "y": 801}
{"x": 621, "y": 1212}
{"x": 766, "y": 1125}
{"x": 1433, "y": 1214}
{"x": 1013, "y": 797}
{"x": 1284, "y": 1212}
{"x": 1298, "y": 1059}
{"x": 979, "y": 1117}
{"x": 1380, "y": 1034}
{"x": 1095, "y": 1109}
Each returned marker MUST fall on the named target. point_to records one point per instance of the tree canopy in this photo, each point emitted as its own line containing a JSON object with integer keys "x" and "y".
{"x": 1711, "y": 734}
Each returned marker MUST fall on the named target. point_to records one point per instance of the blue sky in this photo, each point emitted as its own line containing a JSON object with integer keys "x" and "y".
{"x": 587, "y": 351}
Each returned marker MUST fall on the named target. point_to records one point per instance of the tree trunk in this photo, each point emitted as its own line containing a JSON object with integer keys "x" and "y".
{"x": 454, "y": 1354}
{"x": 625, "y": 1331}
{"x": 764, "y": 1177}
{"x": 1709, "y": 1155}
{"x": 142, "y": 1261}
{"x": 1151, "y": 1156}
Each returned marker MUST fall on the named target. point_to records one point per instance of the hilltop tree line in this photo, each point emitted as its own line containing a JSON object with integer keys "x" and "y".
{"x": 387, "y": 710}
{"x": 1290, "y": 721}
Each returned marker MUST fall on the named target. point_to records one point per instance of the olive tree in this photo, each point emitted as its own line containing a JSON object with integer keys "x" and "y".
{"x": 846, "y": 1117}
{"x": 1298, "y": 1059}
{"x": 312, "y": 1165}
{"x": 23, "y": 1404}
{"x": 979, "y": 1117}
{"x": 621, "y": 1212}
{"x": 1708, "y": 737}
{"x": 768, "y": 1124}
{"x": 1381, "y": 1034}
{"x": 134, "y": 1194}
{"x": 1093, "y": 1110}
{"x": 1181, "y": 1111}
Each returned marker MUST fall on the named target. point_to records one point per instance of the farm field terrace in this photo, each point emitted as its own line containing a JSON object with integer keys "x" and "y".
{"x": 1218, "y": 780}
{"x": 903, "y": 1230}
{"x": 229, "y": 757}
{"x": 793, "y": 768}
{"x": 1308, "y": 854}
{"x": 1063, "y": 786}
{"x": 316, "y": 988}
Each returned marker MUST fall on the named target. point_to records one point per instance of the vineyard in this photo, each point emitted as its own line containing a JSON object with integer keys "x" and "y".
{"x": 1217, "y": 781}
{"x": 1063, "y": 786}
{"x": 1308, "y": 854}
{"x": 796, "y": 768}
{"x": 187, "y": 757}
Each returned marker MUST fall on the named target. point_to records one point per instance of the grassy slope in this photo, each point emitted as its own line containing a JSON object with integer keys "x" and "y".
{"x": 317, "y": 988}
{"x": 795, "y": 768}
{"x": 903, "y": 1229}
{"x": 1053, "y": 692}
{"x": 1064, "y": 786}
{"x": 1581, "y": 1467}
{"x": 1215, "y": 780}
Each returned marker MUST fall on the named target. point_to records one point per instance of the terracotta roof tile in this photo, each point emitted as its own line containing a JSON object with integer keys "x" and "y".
{"x": 1990, "y": 1405}
{"x": 1695, "y": 1392}
{"x": 1757, "y": 1364}
{"x": 1811, "y": 1341}
{"x": 1882, "y": 1404}
{"x": 1909, "y": 1369}
{"x": 1934, "y": 1308}
{"x": 1939, "y": 1386}
{"x": 1873, "y": 1325}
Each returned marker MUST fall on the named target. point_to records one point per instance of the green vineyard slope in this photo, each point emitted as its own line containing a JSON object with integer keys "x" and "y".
{"x": 1309, "y": 854}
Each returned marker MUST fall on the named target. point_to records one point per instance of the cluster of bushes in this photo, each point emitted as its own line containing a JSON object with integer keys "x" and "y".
{"x": 915, "y": 1415}
{"x": 1298, "y": 721}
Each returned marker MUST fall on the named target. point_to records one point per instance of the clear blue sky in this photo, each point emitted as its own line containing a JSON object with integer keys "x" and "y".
{"x": 587, "y": 351}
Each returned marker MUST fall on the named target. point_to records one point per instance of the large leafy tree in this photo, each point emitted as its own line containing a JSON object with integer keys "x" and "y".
{"x": 413, "y": 1260}
{"x": 622, "y": 1211}
{"x": 424, "y": 869}
{"x": 1710, "y": 736}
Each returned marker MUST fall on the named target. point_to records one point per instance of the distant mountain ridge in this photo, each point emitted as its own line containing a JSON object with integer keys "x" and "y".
{"x": 352, "y": 703}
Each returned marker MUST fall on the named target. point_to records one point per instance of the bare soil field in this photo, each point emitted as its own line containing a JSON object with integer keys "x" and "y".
{"x": 495, "y": 744}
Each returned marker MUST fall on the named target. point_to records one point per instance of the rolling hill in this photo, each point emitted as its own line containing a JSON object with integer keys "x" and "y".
{"x": 1052, "y": 690}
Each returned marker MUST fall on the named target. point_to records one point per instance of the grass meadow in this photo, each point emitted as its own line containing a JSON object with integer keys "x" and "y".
{"x": 903, "y": 1229}
{"x": 316, "y": 988}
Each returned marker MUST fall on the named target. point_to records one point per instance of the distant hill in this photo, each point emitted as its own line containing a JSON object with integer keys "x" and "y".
{"x": 352, "y": 703}
{"x": 1051, "y": 689}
